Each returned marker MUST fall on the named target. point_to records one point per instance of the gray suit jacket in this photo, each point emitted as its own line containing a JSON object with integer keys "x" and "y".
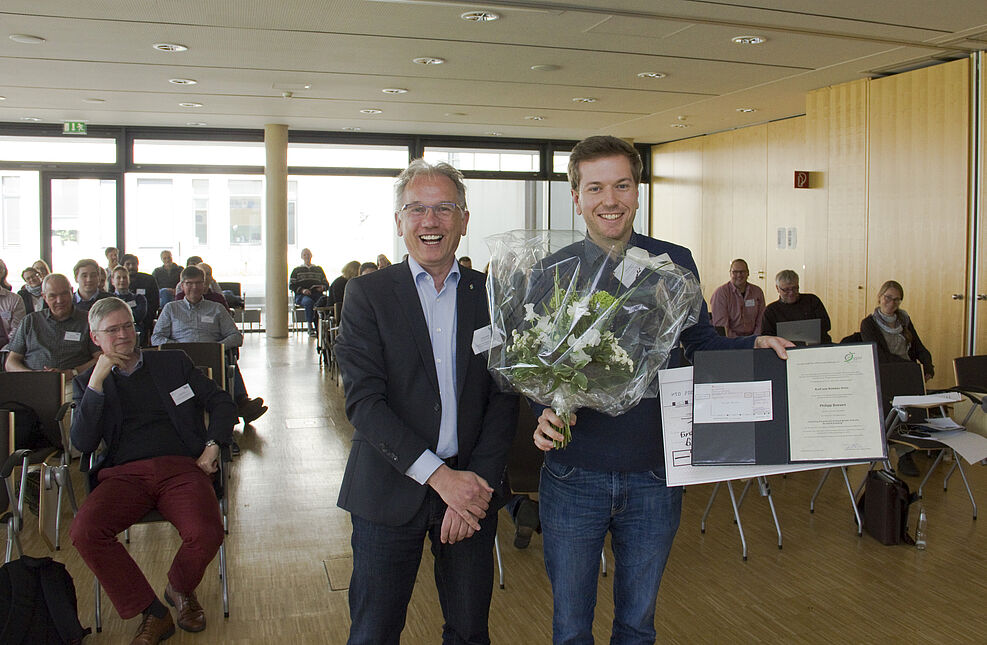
{"x": 392, "y": 393}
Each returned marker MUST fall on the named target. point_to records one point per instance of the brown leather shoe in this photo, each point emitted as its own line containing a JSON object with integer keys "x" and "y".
{"x": 191, "y": 618}
{"x": 154, "y": 630}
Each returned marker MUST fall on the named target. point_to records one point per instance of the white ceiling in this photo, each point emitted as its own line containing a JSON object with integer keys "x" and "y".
{"x": 245, "y": 53}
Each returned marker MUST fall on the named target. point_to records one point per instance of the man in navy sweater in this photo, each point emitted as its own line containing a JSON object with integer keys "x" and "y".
{"x": 611, "y": 477}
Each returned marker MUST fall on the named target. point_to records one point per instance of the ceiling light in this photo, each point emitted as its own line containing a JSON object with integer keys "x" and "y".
{"x": 584, "y": 99}
{"x": 371, "y": 111}
{"x": 32, "y": 119}
{"x": 196, "y": 123}
{"x": 428, "y": 60}
{"x": 183, "y": 81}
{"x": 455, "y": 114}
{"x": 3, "y": 98}
{"x": 480, "y": 16}
{"x": 93, "y": 100}
{"x": 678, "y": 125}
{"x": 190, "y": 104}
{"x": 394, "y": 90}
{"x": 170, "y": 47}
{"x": 26, "y": 39}
{"x": 534, "y": 117}
{"x": 292, "y": 86}
{"x": 350, "y": 128}
{"x": 544, "y": 68}
{"x": 652, "y": 75}
{"x": 748, "y": 40}
{"x": 747, "y": 109}
{"x": 494, "y": 134}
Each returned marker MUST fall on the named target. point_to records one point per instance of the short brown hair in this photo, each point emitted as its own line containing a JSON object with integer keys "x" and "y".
{"x": 598, "y": 147}
{"x": 192, "y": 272}
{"x": 85, "y": 262}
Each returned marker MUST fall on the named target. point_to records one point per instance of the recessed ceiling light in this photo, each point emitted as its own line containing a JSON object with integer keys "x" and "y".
{"x": 350, "y": 128}
{"x": 480, "y": 16}
{"x": 183, "y": 81}
{"x": 534, "y": 117}
{"x": 584, "y": 99}
{"x": 170, "y": 47}
{"x": 394, "y": 90}
{"x": 652, "y": 75}
{"x": 94, "y": 100}
{"x": 455, "y": 114}
{"x": 32, "y": 119}
{"x": 545, "y": 68}
{"x": 371, "y": 111}
{"x": 26, "y": 39}
{"x": 748, "y": 40}
{"x": 190, "y": 104}
{"x": 747, "y": 109}
{"x": 678, "y": 125}
{"x": 428, "y": 60}
{"x": 196, "y": 123}
{"x": 494, "y": 134}
{"x": 3, "y": 98}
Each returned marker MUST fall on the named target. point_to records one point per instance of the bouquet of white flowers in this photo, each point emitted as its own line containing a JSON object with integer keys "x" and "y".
{"x": 574, "y": 325}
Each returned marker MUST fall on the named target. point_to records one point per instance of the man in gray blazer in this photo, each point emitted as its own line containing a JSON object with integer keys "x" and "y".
{"x": 432, "y": 430}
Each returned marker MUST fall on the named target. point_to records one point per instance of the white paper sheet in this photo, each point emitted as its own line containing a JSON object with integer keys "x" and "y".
{"x": 675, "y": 395}
{"x": 749, "y": 401}
{"x": 942, "y": 398}
{"x": 968, "y": 445}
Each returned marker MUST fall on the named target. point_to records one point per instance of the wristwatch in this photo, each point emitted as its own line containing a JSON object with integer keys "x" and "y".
{"x": 210, "y": 443}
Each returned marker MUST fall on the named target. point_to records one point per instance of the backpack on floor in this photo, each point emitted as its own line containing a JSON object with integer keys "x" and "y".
{"x": 38, "y": 604}
{"x": 884, "y": 508}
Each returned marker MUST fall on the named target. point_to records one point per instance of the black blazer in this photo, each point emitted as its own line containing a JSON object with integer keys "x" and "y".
{"x": 392, "y": 393}
{"x": 100, "y": 418}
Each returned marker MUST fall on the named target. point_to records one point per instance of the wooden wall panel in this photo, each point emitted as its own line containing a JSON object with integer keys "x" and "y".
{"x": 677, "y": 196}
{"x": 750, "y": 202}
{"x": 917, "y": 200}
{"x": 717, "y": 249}
{"x": 787, "y": 208}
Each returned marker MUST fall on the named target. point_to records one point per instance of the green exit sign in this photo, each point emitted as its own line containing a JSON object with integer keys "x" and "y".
{"x": 74, "y": 127}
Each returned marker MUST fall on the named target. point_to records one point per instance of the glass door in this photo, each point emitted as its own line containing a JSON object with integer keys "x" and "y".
{"x": 81, "y": 217}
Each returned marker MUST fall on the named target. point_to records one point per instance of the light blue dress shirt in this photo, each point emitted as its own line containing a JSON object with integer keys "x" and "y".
{"x": 439, "y": 308}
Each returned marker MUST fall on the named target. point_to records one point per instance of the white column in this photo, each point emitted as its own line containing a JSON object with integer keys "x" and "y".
{"x": 276, "y": 230}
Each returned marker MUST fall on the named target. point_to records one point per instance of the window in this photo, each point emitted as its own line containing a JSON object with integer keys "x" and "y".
{"x": 200, "y": 208}
{"x": 57, "y": 149}
{"x": 156, "y": 204}
{"x": 292, "y": 211}
{"x": 11, "y": 187}
{"x": 199, "y": 153}
{"x": 245, "y": 211}
{"x": 489, "y": 159}
{"x": 320, "y": 155}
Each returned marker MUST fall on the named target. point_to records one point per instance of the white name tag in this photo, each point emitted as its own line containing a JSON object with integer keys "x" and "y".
{"x": 132, "y": 303}
{"x": 73, "y": 336}
{"x": 749, "y": 303}
{"x": 5, "y": 315}
{"x": 141, "y": 292}
{"x": 208, "y": 319}
{"x": 486, "y": 338}
{"x": 182, "y": 394}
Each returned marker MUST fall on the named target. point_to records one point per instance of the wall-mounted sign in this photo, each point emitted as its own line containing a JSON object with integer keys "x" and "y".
{"x": 802, "y": 179}
{"x": 74, "y": 127}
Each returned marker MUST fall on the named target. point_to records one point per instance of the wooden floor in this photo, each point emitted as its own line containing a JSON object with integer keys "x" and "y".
{"x": 289, "y": 555}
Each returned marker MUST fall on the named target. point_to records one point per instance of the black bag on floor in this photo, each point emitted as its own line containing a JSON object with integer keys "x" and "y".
{"x": 38, "y": 604}
{"x": 29, "y": 432}
{"x": 884, "y": 508}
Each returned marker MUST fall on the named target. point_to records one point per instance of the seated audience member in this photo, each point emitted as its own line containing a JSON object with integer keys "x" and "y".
{"x": 193, "y": 260}
{"x": 308, "y": 282}
{"x": 334, "y": 298}
{"x": 112, "y": 254}
{"x": 159, "y": 455}
{"x": 196, "y": 320}
{"x": 55, "y": 339}
{"x": 466, "y": 261}
{"x": 136, "y": 301}
{"x": 738, "y": 306}
{"x": 167, "y": 276}
{"x": 891, "y": 329}
{"x": 791, "y": 305}
{"x": 367, "y": 267}
{"x": 230, "y": 299}
{"x": 42, "y": 267}
{"x": 11, "y": 308}
{"x": 143, "y": 284}
{"x": 30, "y": 293}
{"x": 382, "y": 261}
{"x": 105, "y": 281}
{"x": 210, "y": 294}
{"x": 88, "y": 284}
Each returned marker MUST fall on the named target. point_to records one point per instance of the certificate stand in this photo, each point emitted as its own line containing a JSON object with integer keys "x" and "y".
{"x": 765, "y": 490}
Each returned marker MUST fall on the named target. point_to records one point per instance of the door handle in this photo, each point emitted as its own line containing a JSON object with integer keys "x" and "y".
{"x": 982, "y": 296}
{"x": 957, "y": 296}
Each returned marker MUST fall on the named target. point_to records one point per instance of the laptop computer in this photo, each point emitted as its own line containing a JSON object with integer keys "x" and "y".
{"x": 801, "y": 332}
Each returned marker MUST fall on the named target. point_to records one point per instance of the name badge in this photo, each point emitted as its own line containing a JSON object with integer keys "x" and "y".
{"x": 749, "y": 303}
{"x": 208, "y": 319}
{"x": 486, "y": 338}
{"x": 5, "y": 315}
{"x": 182, "y": 394}
{"x": 132, "y": 303}
{"x": 73, "y": 336}
{"x": 141, "y": 292}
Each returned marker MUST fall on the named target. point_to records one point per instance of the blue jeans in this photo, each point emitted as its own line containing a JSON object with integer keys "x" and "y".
{"x": 578, "y": 507}
{"x": 309, "y": 304}
{"x": 385, "y": 564}
{"x": 166, "y": 295}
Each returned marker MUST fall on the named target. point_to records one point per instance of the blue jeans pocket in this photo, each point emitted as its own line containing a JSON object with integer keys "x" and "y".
{"x": 558, "y": 471}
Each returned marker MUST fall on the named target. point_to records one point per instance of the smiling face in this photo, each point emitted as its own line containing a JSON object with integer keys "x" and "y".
{"x": 31, "y": 277}
{"x": 788, "y": 292}
{"x": 116, "y": 332}
{"x": 87, "y": 278}
{"x": 889, "y": 301}
{"x": 58, "y": 294}
{"x": 607, "y": 198}
{"x": 738, "y": 275}
{"x": 306, "y": 257}
{"x": 166, "y": 258}
{"x": 121, "y": 280}
{"x": 194, "y": 289}
{"x": 432, "y": 239}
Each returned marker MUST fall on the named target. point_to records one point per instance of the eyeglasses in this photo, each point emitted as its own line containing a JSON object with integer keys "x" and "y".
{"x": 116, "y": 329}
{"x": 888, "y": 298}
{"x": 793, "y": 289}
{"x": 442, "y": 210}
{"x": 194, "y": 283}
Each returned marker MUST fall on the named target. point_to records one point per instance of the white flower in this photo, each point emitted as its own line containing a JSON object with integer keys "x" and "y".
{"x": 529, "y": 312}
{"x": 579, "y": 308}
{"x": 591, "y": 338}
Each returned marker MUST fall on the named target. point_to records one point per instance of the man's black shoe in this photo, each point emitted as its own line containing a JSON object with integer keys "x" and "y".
{"x": 906, "y": 465}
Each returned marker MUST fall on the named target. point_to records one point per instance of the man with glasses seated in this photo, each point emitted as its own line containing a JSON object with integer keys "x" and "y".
{"x": 197, "y": 320}
{"x": 147, "y": 409}
{"x": 792, "y": 305}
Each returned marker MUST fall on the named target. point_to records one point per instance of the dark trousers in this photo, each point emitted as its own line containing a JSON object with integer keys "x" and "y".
{"x": 184, "y": 496}
{"x": 385, "y": 564}
{"x": 308, "y": 303}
